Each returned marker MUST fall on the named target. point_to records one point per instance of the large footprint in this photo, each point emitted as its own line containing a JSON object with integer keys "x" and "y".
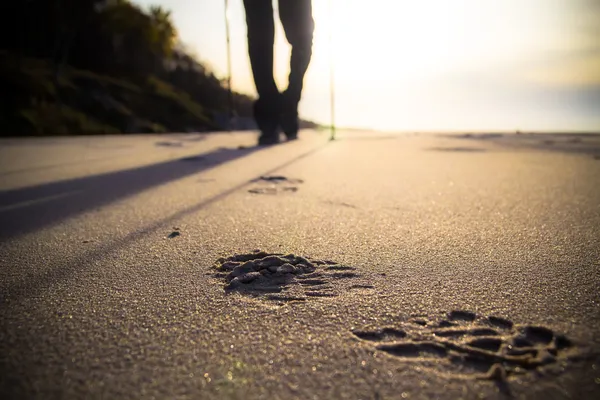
{"x": 274, "y": 184}
{"x": 467, "y": 344}
{"x": 282, "y": 277}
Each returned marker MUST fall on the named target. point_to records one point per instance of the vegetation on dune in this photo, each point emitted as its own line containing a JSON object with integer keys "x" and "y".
{"x": 104, "y": 66}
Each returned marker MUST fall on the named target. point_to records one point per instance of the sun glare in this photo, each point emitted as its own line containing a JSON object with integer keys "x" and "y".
{"x": 427, "y": 64}
{"x": 417, "y": 54}
{"x": 414, "y": 39}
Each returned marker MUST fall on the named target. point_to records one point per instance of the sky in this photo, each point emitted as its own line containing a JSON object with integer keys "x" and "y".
{"x": 426, "y": 65}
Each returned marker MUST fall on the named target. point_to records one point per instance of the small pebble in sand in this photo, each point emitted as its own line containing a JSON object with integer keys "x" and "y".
{"x": 307, "y": 269}
{"x": 286, "y": 268}
{"x": 228, "y": 266}
{"x": 234, "y": 283}
{"x": 269, "y": 261}
{"x": 249, "y": 277}
{"x": 302, "y": 260}
{"x": 242, "y": 269}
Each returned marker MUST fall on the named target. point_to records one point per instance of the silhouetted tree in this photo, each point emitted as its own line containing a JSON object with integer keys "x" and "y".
{"x": 113, "y": 38}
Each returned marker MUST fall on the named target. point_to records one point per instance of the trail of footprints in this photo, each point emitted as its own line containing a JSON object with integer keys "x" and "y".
{"x": 470, "y": 345}
{"x": 274, "y": 184}
{"x": 282, "y": 277}
{"x": 461, "y": 343}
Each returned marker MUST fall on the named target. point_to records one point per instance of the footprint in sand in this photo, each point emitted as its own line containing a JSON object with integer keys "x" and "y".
{"x": 173, "y": 234}
{"x": 274, "y": 185}
{"x": 469, "y": 345}
{"x": 458, "y": 149}
{"x": 281, "y": 277}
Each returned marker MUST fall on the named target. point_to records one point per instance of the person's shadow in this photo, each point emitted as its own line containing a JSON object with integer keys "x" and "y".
{"x": 32, "y": 208}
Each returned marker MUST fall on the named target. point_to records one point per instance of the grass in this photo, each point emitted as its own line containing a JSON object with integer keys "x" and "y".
{"x": 56, "y": 119}
{"x": 37, "y": 102}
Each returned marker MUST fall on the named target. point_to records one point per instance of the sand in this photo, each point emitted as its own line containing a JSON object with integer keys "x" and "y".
{"x": 402, "y": 266}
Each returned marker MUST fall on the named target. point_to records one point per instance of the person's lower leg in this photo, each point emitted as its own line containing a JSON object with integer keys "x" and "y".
{"x": 292, "y": 95}
{"x": 298, "y": 24}
{"x": 261, "y": 37}
{"x": 300, "y": 59}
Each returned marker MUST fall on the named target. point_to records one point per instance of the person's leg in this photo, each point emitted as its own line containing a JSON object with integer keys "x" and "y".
{"x": 261, "y": 37}
{"x": 298, "y": 24}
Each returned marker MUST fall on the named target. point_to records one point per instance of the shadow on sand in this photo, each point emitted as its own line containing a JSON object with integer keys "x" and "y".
{"x": 35, "y": 283}
{"x": 32, "y": 208}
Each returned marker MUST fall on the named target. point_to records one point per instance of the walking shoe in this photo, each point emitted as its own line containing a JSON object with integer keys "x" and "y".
{"x": 268, "y": 139}
{"x": 288, "y": 118}
{"x": 267, "y": 119}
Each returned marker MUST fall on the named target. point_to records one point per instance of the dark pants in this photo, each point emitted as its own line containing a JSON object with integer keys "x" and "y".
{"x": 296, "y": 18}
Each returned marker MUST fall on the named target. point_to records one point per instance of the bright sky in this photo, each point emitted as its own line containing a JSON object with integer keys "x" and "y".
{"x": 427, "y": 64}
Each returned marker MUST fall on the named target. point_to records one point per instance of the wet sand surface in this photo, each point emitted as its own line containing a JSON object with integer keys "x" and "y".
{"x": 377, "y": 266}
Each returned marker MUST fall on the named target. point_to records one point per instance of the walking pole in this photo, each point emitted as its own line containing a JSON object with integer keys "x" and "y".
{"x": 230, "y": 93}
{"x": 331, "y": 72}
